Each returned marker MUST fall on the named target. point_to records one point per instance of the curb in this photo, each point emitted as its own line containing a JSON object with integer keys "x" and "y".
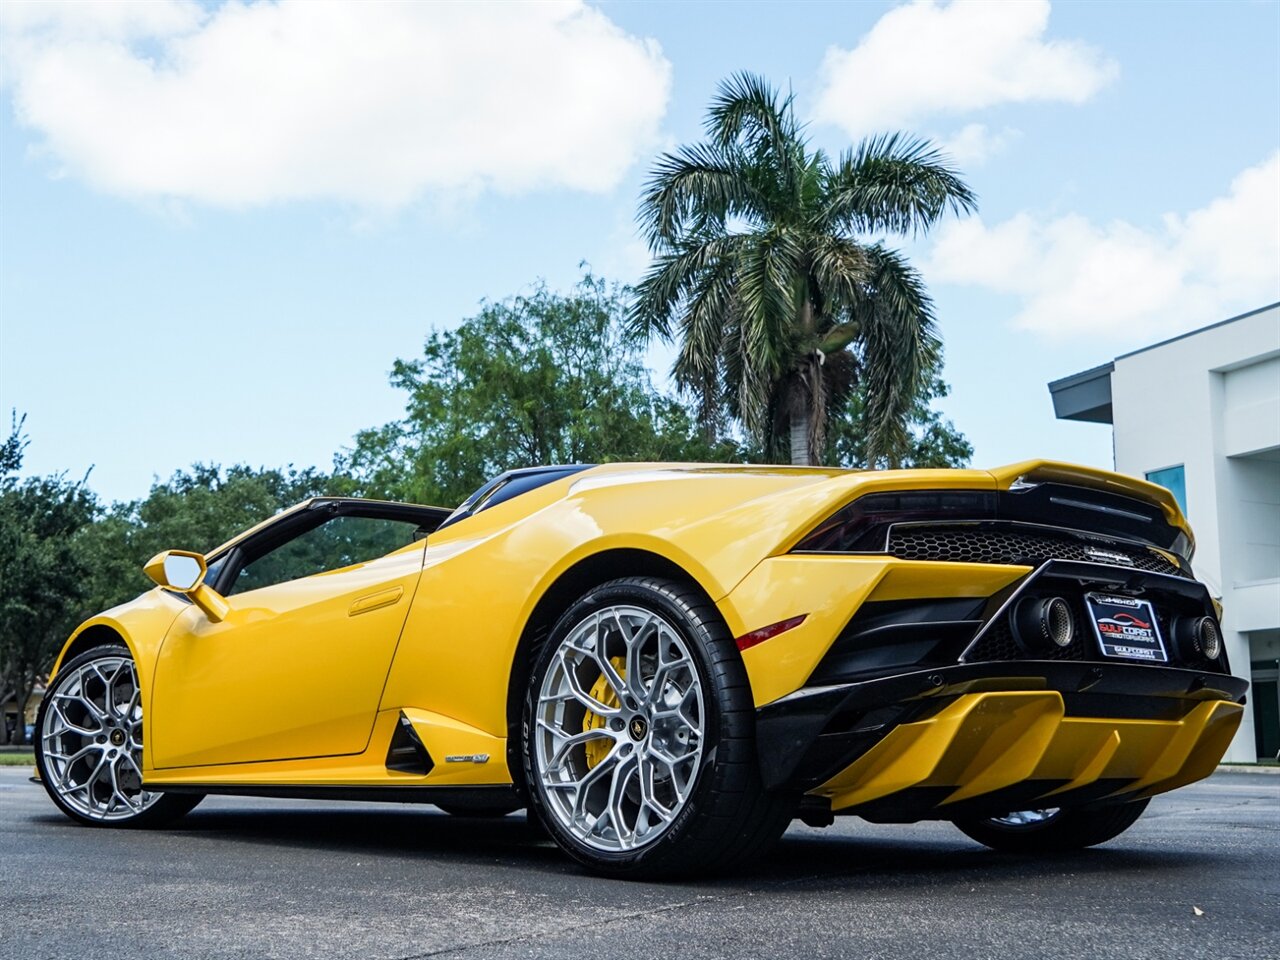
{"x": 1266, "y": 769}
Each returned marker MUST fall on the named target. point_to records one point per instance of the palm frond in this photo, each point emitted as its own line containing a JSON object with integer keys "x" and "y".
{"x": 899, "y": 346}
{"x": 693, "y": 189}
{"x": 768, "y": 277}
{"x": 711, "y": 312}
{"x": 755, "y": 398}
{"x": 840, "y": 268}
{"x": 749, "y": 115}
{"x": 672, "y": 278}
{"x": 895, "y": 183}
{"x": 746, "y": 110}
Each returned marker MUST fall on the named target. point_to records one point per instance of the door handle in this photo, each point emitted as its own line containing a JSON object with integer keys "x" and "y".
{"x": 376, "y": 601}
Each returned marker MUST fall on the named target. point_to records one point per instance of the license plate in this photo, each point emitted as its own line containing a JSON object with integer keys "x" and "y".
{"x": 1126, "y": 628}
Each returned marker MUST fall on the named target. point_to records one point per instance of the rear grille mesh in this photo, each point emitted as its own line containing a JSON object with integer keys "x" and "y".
{"x": 998, "y": 643}
{"x": 985, "y": 545}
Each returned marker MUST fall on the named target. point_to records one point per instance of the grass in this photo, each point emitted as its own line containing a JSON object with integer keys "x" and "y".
{"x": 17, "y": 759}
{"x": 1266, "y": 762}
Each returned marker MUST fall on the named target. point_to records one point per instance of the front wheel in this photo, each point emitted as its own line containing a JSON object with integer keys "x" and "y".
{"x": 639, "y": 736}
{"x": 89, "y": 744}
{"x": 1053, "y": 830}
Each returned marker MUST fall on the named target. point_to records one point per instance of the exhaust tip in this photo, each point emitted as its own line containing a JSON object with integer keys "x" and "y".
{"x": 1057, "y": 625}
{"x": 1208, "y": 638}
{"x": 1045, "y": 623}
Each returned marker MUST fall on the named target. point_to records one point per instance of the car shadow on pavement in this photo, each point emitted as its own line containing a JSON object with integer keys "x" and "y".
{"x": 852, "y": 861}
{"x": 414, "y": 831}
{"x": 835, "y": 860}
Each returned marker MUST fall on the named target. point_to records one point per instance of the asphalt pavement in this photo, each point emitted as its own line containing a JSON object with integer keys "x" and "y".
{"x": 1198, "y": 876}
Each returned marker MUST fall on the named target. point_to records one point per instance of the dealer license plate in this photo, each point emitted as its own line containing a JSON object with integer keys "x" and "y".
{"x": 1126, "y": 628}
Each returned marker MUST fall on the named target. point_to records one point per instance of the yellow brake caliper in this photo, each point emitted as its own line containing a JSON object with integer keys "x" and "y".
{"x": 597, "y": 749}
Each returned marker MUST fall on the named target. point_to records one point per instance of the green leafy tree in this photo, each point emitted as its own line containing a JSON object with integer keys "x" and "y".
{"x": 537, "y": 379}
{"x": 193, "y": 510}
{"x": 764, "y": 273}
{"x": 43, "y": 573}
{"x": 932, "y": 440}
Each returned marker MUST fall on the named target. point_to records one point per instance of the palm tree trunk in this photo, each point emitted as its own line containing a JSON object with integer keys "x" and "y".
{"x": 817, "y": 409}
{"x": 799, "y": 436}
{"x": 807, "y": 404}
{"x": 805, "y": 440}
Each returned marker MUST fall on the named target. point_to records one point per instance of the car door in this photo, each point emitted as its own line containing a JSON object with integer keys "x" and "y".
{"x": 297, "y": 667}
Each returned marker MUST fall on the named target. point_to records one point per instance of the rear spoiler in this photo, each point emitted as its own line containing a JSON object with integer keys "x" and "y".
{"x": 1053, "y": 471}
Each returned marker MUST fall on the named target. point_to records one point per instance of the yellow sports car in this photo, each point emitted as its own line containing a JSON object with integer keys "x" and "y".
{"x": 667, "y": 663}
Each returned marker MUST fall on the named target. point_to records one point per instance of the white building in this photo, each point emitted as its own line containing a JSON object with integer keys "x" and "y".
{"x": 1200, "y": 414}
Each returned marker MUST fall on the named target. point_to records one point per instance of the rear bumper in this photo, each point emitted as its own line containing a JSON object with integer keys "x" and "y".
{"x": 986, "y": 738}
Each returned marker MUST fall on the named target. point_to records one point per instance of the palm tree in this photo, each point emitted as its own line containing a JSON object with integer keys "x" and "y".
{"x": 763, "y": 272}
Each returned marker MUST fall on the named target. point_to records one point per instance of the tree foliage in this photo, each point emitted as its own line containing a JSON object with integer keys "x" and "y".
{"x": 195, "y": 509}
{"x": 43, "y": 575}
{"x": 764, "y": 274}
{"x": 931, "y": 439}
{"x": 537, "y": 379}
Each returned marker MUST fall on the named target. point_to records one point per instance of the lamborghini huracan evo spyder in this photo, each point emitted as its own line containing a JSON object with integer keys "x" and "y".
{"x": 667, "y": 663}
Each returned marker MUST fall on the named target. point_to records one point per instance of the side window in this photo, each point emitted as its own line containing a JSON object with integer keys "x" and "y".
{"x": 335, "y": 544}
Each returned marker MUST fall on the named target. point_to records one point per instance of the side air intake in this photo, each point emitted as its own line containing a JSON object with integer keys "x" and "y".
{"x": 407, "y": 753}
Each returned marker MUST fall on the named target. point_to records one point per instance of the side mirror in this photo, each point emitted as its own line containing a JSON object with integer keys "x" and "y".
{"x": 183, "y": 572}
{"x": 177, "y": 570}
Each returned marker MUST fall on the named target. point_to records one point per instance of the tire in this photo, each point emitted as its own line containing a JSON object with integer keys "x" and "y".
{"x": 89, "y": 745}
{"x": 680, "y": 792}
{"x": 487, "y": 811}
{"x": 1053, "y": 831}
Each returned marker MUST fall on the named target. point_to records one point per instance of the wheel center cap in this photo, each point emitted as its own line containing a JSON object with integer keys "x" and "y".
{"x": 638, "y": 727}
{"x": 117, "y": 738}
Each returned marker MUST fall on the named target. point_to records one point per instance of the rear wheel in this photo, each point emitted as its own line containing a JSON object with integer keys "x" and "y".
{"x": 639, "y": 736}
{"x": 89, "y": 744}
{"x": 1053, "y": 830}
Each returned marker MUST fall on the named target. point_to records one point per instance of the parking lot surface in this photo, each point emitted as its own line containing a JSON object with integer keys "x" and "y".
{"x": 1198, "y": 876}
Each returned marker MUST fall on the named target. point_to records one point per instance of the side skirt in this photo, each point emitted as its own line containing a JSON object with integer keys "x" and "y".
{"x": 458, "y": 796}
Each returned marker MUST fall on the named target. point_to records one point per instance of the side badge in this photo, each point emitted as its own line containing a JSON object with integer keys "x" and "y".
{"x": 468, "y": 758}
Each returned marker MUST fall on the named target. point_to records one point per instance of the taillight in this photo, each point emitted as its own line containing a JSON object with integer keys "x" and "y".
{"x": 863, "y": 525}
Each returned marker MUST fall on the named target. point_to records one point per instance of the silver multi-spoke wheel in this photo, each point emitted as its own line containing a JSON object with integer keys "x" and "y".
{"x": 1025, "y": 818}
{"x": 620, "y": 725}
{"x": 91, "y": 740}
{"x": 637, "y": 737}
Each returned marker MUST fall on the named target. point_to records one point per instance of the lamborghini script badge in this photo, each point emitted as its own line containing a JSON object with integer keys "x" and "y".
{"x": 1108, "y": 556}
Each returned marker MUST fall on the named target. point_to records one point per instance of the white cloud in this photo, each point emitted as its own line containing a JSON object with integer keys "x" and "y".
{"x": 974, "y": 143}
{"x": 924, "y": 58}
{"x": 1075, "y": 277}
{"x": 374, "y": 103}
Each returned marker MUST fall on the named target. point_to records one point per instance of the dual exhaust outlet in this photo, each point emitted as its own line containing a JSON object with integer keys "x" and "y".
{"x": 1048, "y": 623}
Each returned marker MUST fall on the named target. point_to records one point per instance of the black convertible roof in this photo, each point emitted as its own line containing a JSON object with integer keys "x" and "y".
{"x": 511, "y": 484}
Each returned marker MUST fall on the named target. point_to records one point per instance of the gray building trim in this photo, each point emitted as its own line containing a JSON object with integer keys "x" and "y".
{"x": 1087, "y": 396}
{"x": 1084, "y": 396}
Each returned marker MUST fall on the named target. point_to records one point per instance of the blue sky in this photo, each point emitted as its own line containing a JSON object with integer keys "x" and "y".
{"x": 219, "y": 224}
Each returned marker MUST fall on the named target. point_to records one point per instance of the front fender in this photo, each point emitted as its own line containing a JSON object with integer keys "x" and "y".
{"x": 141, "y": 625}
